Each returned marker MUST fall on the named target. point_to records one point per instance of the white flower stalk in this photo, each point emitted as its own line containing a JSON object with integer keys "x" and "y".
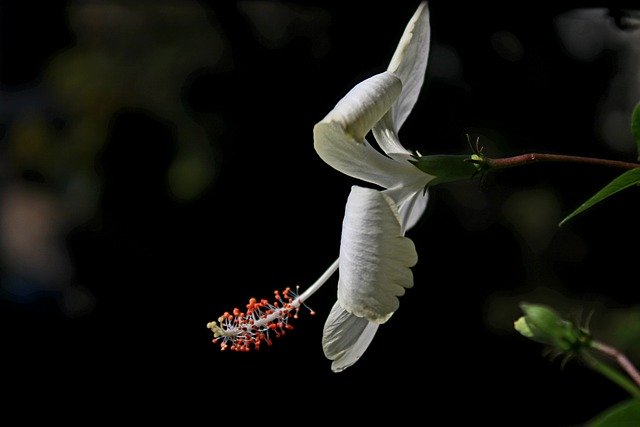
{"x": 375, "y": 257}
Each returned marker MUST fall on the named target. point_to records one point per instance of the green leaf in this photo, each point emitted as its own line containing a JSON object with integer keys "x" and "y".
{"x": 625, "y": 414}
{"x": 622, "y": 182}
{"x": 635, "y": 126}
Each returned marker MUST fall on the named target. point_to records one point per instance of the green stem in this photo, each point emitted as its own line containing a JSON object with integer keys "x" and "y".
{"x": 525, "y": 159}
{"x": 613, "y": 374}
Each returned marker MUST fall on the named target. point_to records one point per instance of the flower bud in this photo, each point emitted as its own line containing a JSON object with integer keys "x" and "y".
{"x": 543, "y": 324}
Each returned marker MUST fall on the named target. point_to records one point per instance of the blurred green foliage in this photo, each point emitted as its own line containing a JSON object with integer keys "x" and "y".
{"x": 126, "y": 55}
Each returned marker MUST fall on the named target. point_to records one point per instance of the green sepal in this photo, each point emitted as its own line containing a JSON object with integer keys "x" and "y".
{"x": 449, "y": 168}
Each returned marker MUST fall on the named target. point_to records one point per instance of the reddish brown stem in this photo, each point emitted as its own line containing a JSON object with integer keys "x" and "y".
{"x": 525, "y": 159}
{"x": 619, "y": 357}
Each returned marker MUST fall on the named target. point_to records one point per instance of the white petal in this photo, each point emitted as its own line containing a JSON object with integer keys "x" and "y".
{"x": 409, "y": 63}
{"x": 360, "y": 160}
{"x": 412, "y": 209}
{"x": 387, "y": 138}
{"x": 365, "y": 104}
{"x": 374, "y": 256}
{"x": 411, "y": 200}
{"x": 346, "y": 337}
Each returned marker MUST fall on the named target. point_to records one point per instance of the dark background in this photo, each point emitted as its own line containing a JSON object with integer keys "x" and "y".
{"x": 158, "y": 255}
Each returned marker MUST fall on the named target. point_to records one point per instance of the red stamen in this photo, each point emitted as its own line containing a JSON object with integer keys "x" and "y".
{"x": 245, "y": 331}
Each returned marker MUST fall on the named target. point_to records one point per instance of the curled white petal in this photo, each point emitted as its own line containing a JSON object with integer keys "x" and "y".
{"x": 365, "y": 104}
{"x": 346, "y": 337}
{"x": 359, "y": 159}
{"x": 339, "y": 139}
{"x": 409, "y": 63}
{"x": 375, "y": 257}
